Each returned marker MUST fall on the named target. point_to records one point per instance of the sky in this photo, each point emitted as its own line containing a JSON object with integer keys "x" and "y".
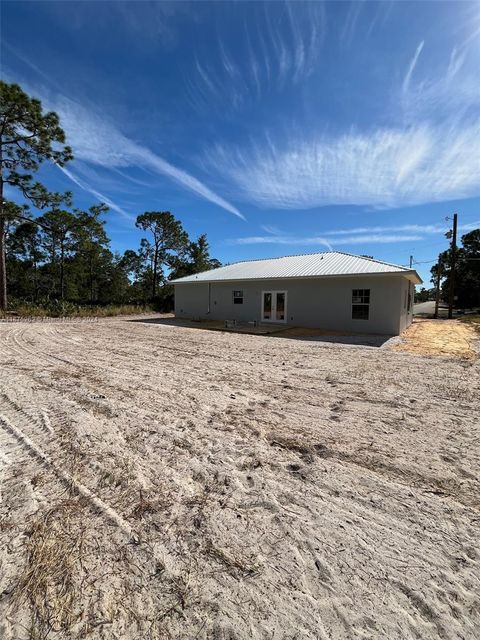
{"x": 276, "y": 128}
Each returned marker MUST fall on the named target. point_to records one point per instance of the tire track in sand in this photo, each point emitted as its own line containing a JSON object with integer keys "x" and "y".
{"x": 27, "y": 446}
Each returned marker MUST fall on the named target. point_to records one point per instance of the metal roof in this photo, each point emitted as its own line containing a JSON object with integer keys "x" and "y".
{"x": 311, "y": 265}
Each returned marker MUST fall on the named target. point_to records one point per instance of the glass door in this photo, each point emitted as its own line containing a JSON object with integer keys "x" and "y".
{"x": 274, "y": 306}
{"x": 267, "y": 305}
{"x": 280, "y": 297}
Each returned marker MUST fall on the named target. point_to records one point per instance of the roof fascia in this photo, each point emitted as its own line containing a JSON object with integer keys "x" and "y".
{"x": 411, "y": 275}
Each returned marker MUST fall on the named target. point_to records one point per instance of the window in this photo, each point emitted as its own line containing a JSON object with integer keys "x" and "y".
{"x": 238, "y": 297}
{"x": 360, "y": 304}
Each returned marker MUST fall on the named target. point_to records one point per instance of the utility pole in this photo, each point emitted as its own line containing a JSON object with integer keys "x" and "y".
{"x": 411, "y": 261}
{"x": 451, "y": 290}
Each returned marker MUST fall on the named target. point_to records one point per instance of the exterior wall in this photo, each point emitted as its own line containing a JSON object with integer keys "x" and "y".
{"x": 191, "y": 300}
{"x": 324, "y": 303}
{"x": 406, "y": 316}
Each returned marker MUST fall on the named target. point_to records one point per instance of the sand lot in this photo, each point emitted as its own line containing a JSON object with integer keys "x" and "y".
{"x": 440, "y": 337}
{"x": 166, "y": 482}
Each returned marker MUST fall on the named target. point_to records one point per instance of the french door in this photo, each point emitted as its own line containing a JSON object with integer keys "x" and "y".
{"x": 274, "y": 306}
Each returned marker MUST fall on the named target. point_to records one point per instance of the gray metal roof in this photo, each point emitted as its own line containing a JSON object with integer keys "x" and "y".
{"x": 311, "y": 265}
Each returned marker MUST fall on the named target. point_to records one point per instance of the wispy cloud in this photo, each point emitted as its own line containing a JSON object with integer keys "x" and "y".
{"x": 98, "y": 141}
{"x": 354, "y": 236}
{"x": 383, "y": 168}
{"x": 457, "y": 58}
{"x": 449, "y": 95}
{"x": 283, "y": 240}
{"x": 149, "y": 26}
{"x": 271, "y": 229}
{"x": 103, "y": 198}
{"x": 280, "y": 45}
{"x": 348, "y": 30}
{"x": 325, "y": 242}
{"x": 149, "y": 159}
{"x": 408, "y": 228}
{"x": 430, "y": 152}
{"x": 411, "y": 67}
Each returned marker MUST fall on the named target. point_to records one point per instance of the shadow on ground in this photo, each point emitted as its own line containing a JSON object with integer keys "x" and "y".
{"x": 351, "y": 340}
{"x": 169, "y": 321}
{"x": 291, "y": 333}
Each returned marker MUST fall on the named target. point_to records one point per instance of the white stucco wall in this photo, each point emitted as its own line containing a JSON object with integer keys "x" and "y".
{"x": 406, "y": 315}
{"x": 320, "y": 303}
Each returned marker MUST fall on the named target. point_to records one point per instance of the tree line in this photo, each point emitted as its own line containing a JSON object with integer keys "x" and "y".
{"x": 467, "y": 273}
{"x": 64, "y": 254}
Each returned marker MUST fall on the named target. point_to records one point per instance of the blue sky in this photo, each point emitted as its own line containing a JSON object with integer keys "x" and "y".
{"x": 275, "y": 128}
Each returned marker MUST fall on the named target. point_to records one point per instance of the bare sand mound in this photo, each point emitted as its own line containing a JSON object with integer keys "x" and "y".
{"x": 165, "y": 482}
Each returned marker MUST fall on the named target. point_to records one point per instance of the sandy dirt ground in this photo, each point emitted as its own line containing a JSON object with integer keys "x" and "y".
{"x": 440, "y": 337}
{"x": 165, "y": 482}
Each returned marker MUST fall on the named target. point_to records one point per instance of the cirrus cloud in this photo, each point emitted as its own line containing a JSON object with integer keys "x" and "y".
{"x": 388, "y": 167}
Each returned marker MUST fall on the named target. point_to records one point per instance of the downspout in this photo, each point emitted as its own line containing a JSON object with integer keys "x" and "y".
{"x": 209, "y": 295}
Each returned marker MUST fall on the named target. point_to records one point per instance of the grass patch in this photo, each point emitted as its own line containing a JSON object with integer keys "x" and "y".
{"x": 49, "y": 583}
{"x": 472, "y": 319}
{"x": 63, "y": 309}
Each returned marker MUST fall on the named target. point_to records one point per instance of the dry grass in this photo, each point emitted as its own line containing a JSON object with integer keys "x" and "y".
{"x": 235, "y": 563}
{"x": 144, "y": 506}
{"x": 473, "y": 320}
{"x": 439, "y": 337}
{"x": 48, "y": 584}
{"x": 59, "y": 309}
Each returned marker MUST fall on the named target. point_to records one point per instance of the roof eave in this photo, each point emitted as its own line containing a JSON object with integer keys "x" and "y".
{"x": 411, "y": 275}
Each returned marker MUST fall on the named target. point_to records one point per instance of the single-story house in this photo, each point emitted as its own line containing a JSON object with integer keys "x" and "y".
{"x": 330, "y": 290}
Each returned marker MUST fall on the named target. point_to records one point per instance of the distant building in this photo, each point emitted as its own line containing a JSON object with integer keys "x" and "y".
{"x": 330, "y": 290}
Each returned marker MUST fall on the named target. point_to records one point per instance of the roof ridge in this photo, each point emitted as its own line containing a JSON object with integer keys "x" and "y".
{"x": 291, "y": 255}
{"x": 354, "y": 255}
{"x": 318, "y": 253}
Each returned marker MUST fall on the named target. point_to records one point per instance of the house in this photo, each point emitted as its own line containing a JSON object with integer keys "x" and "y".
{"x": 330, "y": 290}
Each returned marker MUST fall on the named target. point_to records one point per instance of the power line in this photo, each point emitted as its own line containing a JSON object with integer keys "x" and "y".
{"x": 424, "y": 261}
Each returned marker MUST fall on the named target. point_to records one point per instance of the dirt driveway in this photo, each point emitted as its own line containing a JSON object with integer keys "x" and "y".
{"x": 162, "y": 482}
{"x": 440, "y": 337}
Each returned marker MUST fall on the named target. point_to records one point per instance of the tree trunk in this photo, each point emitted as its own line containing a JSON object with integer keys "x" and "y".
{"x": 3, "y": 251}
{"x": 155, "y": 267}
{"x": 91, "y": 278}
{"x": 35, "y": 279}
{"x": 3, "y": 265}
{"x": 62, "y": 272}
{"x": 53, "y": 269}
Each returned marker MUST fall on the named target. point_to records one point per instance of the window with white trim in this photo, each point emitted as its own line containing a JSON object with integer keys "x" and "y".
{"x": 360, "y": 304}
{"x": 238, "y": 297}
